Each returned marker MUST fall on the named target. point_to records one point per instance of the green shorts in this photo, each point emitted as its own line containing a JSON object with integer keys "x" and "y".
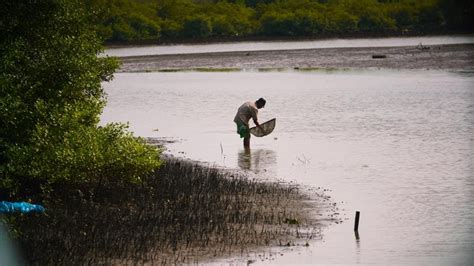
{"x": 243, "y": 130}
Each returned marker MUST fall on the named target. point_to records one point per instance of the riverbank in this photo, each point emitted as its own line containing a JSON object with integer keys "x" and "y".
{"x": 453, "y": 57}
{"x": 184, "y": 213}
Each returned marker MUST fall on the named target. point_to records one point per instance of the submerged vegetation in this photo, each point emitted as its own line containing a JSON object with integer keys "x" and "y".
{"x": 166, "y": 20}
{"x": 182, "y": 213}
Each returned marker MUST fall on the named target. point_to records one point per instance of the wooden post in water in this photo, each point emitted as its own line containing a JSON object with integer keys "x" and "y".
{"x": 356, "y": 224}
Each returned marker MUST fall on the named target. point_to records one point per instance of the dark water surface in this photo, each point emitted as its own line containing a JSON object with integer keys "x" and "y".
{"x": 395, "y": 145}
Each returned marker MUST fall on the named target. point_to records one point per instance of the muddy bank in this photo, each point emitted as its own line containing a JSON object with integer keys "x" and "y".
{"x": 455, "y": 57}
{"x": 184, "y": 213}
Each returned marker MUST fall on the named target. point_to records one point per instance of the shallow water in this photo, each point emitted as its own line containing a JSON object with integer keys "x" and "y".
{"x": 395, "y": 145}
{"x": 288, "y": 45}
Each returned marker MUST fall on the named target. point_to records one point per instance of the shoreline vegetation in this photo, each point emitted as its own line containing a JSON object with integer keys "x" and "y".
{"x": 183, "y": 213}
{"x": 164, "y": 21}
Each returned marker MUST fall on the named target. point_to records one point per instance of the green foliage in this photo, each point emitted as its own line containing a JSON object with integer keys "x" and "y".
{"x": 50, "y": 102}
{"x": 340, "y": 20}
{"x": 187, "y": 19}
{"x": 128, "y": 20}
{"x": 293, "y": 18}
{"x": 458, "y": 14}
{"x": 230, "y": 19}
{"x": 123, "y": 20}
{"x": 405, "y": 15}
{"x": 429, "y": 17}
{"x": 197, "y": 26}
{"x": 276, "y": 23}
{"x": 371, "y": 15}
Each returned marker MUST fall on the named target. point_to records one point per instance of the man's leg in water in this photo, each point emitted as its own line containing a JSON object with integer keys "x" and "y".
{"x": 247, "y": 142}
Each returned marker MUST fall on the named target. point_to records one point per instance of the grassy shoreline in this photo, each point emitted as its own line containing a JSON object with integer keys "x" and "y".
{"x": 184, "y": 213}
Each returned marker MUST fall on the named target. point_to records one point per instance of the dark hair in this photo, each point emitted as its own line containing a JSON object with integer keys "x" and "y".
{"x": 260, "y": 103}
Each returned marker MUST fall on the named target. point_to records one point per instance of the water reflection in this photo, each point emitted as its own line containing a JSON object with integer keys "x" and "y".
{"x": 257, "y": 161}
{"x": 357, "y": 238}
{"x": 8, "y": 252}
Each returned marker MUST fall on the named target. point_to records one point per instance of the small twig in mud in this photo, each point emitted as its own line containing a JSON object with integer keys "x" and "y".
{"x": 304, "y": 160}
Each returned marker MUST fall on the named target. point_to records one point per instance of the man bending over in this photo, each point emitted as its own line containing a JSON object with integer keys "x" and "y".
{"x": 244, "y": 113}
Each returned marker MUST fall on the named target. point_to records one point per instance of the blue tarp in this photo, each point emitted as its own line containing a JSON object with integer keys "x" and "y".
{"x": 23, "y": 207}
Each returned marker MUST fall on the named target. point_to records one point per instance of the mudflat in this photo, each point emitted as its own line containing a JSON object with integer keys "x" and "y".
{"x": 184, "y": 213}
{"x": 453, "y": 57}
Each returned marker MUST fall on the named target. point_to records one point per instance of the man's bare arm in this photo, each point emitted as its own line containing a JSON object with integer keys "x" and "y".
{"x": 257, "y": 124}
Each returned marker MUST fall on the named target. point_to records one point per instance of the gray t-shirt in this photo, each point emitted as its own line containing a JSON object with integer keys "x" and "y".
{"x": 246, "y": 111}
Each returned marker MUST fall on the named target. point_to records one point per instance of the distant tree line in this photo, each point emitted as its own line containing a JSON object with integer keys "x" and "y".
{"x": 137, "y": 20}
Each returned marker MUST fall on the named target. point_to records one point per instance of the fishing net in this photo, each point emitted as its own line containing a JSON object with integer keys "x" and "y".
{"x": 267, "y": 128}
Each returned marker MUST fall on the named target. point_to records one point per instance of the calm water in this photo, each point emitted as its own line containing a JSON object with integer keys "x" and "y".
{"x": 288, "y": 45}
{"x": 395, "y": 145}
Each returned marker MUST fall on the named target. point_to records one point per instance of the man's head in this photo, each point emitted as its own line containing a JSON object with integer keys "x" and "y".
{"x": 260, "y": 103}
